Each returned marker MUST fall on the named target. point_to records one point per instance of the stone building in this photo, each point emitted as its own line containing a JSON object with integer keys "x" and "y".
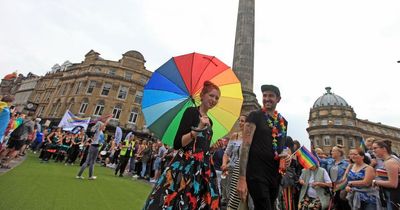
{"x": 332, "y": 121}
{"x": 25, "y": 89}
{"x": 95, "y": 87}
{"x": 10, "y": 83}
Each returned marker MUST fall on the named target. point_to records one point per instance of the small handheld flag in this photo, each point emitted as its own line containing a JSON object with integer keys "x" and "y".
{"x": 305, "y": 158}
{"x": 362, "y": 145}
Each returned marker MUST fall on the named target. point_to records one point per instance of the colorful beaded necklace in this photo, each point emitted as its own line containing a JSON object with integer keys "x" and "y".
{"x": 277, "y": 124}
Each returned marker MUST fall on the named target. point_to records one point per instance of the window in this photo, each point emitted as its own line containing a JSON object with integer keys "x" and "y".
{"x": 128, "y": 75}
{"x": 350, "y": 123}
{"x": 338, "y": 122}
{"x": 64, "y": 90}
{"x": 112, "y": 72}
{"x": 48, "y": 96}
{"x": 123, "y": 92}
{"x": 324, "y": 122}
{"x": 143, "y": 79}
{"x": 339, "y": 140}
{"x": 40, "y": 111}
{"x": 317, "y": 142}
{"x": 133, "y": 115}
{"x": 314, "y": 122}
{"x": 99, "y": 108}
{"x": 71, "y": 103}
{"x": 139, "y": 96}
{"x": 78, "y": 87}
{"x": 352, "y": 144}
{"x": 37, "y": 97}
{"x": 55, "y": 108}
{"x": 97, "y": 70}
{"x": 92, "y": 85}
{"x": 116, "y": 111}
{"x": 106, "y": 89}
{"x": 327, "y": 141}
{"x": 83, "y": 107}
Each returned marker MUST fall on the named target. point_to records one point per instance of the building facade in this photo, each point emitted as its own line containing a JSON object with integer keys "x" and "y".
{"x": 24, "y": 92}
{"x": 94, "y": 88}
{"x": 10, "y": 84}
{"x": 332, "y": 121}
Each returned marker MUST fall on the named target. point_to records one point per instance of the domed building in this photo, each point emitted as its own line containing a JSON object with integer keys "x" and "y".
{"x": 332, "y": 121}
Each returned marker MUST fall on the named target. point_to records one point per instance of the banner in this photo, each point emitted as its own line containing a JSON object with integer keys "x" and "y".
{"x": 70, "y": 121}
{"x": 118, "y": 135}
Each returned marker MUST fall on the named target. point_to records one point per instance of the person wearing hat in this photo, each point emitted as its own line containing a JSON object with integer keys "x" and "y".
{"x": 264, "y": 138}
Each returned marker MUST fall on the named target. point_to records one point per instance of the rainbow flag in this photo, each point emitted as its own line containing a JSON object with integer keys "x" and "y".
{"x": 305, "y": 158}
{"x": 382, "y": 173}
{"x": 362, "y": 145}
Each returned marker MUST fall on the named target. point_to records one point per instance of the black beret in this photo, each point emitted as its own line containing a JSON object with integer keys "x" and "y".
{"x": 272, "y": 88}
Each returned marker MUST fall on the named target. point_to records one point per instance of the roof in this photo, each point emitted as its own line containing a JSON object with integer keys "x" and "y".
{"x": 330, "y": 99}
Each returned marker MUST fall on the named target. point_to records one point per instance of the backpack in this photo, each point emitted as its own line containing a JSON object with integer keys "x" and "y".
{"x": 17, "y": 133}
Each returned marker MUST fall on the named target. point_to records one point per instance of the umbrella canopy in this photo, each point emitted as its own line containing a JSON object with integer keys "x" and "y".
{"x": 177, "y": 85}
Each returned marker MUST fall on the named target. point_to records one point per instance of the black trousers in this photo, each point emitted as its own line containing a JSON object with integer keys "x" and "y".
{"x": 123, "y": 161}
{"x": 263, "y": 195}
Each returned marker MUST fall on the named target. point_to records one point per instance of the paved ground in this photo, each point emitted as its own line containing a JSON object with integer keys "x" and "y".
{"x": 13, "y": 164}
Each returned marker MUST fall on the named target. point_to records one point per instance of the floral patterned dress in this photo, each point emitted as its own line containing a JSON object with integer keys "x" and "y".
{"x": 189, "y": 181}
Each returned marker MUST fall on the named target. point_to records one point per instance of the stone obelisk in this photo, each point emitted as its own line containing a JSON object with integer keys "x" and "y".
{"x": 243, "y": 56}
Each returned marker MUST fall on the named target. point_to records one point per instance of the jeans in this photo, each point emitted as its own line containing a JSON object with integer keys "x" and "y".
{"x": 144, "y": 167}
{"x": 367, "y": 206}
{"x": 90, "y": 161}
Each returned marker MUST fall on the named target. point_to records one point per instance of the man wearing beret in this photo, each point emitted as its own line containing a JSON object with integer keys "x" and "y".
{"x": 263, "y": 139}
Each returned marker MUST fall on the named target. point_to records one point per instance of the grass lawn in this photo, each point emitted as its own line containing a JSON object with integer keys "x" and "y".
{"x": 34, "y": 185}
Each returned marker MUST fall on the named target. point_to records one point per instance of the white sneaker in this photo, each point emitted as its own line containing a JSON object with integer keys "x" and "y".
{"x": 80, "y": 177}
{"x": 135, "y": 176}
{"x": 92, "y": 177}
{"x": 153, "y": 181}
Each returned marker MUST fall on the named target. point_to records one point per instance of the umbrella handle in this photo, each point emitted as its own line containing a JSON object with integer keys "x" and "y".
{"x": 199, "y": 130}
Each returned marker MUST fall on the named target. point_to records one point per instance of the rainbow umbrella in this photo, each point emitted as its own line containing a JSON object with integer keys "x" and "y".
{"x": 177, "y": 84}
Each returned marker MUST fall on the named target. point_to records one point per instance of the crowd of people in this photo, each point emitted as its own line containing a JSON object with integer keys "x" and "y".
{"x": 253, "y": 168}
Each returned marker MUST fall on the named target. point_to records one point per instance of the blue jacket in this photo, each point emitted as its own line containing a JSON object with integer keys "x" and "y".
{"x": 329, "y": 162}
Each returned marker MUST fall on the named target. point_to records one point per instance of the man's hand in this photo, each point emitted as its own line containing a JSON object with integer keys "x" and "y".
{"x": 242, "y": 188}
{"x": 301, "y": 182}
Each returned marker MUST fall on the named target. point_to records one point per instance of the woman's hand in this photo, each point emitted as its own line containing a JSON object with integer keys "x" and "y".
{"x": 204, "y": 121}
{"x": 348, "y": 189}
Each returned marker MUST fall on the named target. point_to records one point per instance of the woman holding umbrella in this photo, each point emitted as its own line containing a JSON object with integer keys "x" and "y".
{"x": 190, "y": 182}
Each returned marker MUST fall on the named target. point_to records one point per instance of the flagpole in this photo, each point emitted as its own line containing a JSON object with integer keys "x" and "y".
{"x": 294, "y": 153}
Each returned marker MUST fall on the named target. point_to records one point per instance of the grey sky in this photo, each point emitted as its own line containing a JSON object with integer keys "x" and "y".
{"x": 300, "y": 46}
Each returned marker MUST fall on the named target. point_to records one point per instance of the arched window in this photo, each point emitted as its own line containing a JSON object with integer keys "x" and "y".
{"x": 98, "y": 111}
{"x": 133, "y": 115}
{"x": 84, "y": 106}
{"x": 70, "y": 104}
{"x": 116, "y": 111}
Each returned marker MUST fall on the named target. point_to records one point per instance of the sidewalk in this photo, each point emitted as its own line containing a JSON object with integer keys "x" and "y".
{"x": 13, "y": 163}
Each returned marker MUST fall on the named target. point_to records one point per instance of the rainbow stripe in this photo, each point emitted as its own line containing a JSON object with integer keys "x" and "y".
{"x": 382, "y": 173}
{"x": 305, "y": 158}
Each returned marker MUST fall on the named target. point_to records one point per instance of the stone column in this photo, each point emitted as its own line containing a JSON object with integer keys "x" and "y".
{"x": 243, "y": 57}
